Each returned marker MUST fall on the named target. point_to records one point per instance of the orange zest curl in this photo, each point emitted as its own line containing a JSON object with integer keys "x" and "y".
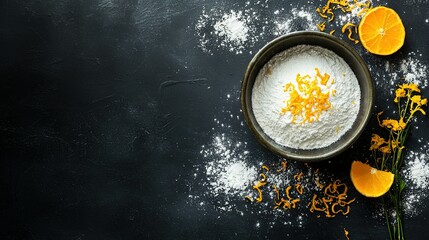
{"x": 306, "y": 98}
{"x": 298, "y": 176}
{"x": 294, "y": 201}
{"x": 318, "y": 184}
{"x": 259, "y": 198}
{"x": 258, "y": 186}
{"x": 333, "y": 201}
{"x": 283, "y": 203}
{"x": 277, "y": 194}
{"x": 299, "y": 188}
{"x": 248, "y": 198}
{"x": 265, "y": 168}
{"x": 346, "y": 233}
{"x": 288, "y": 188}
{"x": 284, "y": 166}
{"x": 346, "y": 6}
{"x": 264, "y": 177}
{"x": 321, "y": 26}
{"x": 349, "y": 27}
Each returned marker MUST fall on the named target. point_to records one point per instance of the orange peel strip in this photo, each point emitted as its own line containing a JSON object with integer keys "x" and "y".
{"x": 299, "y": 188}
{"x": 288, "y": 192}
{"x": 248, "y": 198}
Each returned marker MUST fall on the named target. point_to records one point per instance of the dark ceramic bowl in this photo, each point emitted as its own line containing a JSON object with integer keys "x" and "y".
{"x": 343, "y": 50}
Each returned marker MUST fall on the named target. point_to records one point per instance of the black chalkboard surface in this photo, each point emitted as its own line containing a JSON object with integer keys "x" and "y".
{"x": 112, "y": 111}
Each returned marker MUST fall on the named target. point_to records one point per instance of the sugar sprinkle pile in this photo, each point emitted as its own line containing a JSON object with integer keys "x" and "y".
{"x": 416, "y": 174}
{"x": 227, "y": 170}
{"x": 231, "y": 30}
{"x": 234, "y": 30}
{"x": 224, "y": 171}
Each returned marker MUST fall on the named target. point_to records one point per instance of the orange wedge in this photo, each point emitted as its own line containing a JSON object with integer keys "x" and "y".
{"x": 369, "y": 181}
{"x": 381, "y": 31}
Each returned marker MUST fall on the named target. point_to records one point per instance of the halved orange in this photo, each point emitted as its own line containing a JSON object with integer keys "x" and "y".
{"x": 369, "y": 181}
{"x": 381, "y": 31}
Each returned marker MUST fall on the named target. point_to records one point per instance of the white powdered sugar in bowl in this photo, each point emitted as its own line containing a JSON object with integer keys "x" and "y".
{"x": 306, "y": 112}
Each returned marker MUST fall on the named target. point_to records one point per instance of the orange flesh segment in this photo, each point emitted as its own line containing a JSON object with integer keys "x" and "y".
{"x": 369, "y": 181}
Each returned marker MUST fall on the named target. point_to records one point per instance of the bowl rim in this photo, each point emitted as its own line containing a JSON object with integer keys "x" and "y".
{"x": 259, "y": 133}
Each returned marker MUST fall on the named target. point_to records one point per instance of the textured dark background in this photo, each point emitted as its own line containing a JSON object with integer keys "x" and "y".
{"x": 98, "y": 141}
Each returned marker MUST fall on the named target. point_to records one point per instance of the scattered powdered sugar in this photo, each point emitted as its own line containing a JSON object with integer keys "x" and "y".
{"x": 414, "y": 71}
{"x": 238, "y": 31}
{"x": 296, "y": 19}
{"x": 409, "y": 69}
{"x": 416, "y": 175}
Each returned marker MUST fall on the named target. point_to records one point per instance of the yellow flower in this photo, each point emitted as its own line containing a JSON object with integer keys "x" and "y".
{"x": 416, "y": 104}
{"x": 385, "y": 149}
{"x": 376, "y": 142}
{"x": 410, "y": 86}
{"x": 393, "y": 124}
{"x": 416, "y": 99}
{"x": 399, "y": 93}
{"x": 395, "y": 144}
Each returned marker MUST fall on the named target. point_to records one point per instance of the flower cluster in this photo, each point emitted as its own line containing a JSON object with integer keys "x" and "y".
{"x": 413, "y": 102}
{"x": 380, "y": 144}
{"x": 388, "y": 153}
{"x": 409, "y": 91}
